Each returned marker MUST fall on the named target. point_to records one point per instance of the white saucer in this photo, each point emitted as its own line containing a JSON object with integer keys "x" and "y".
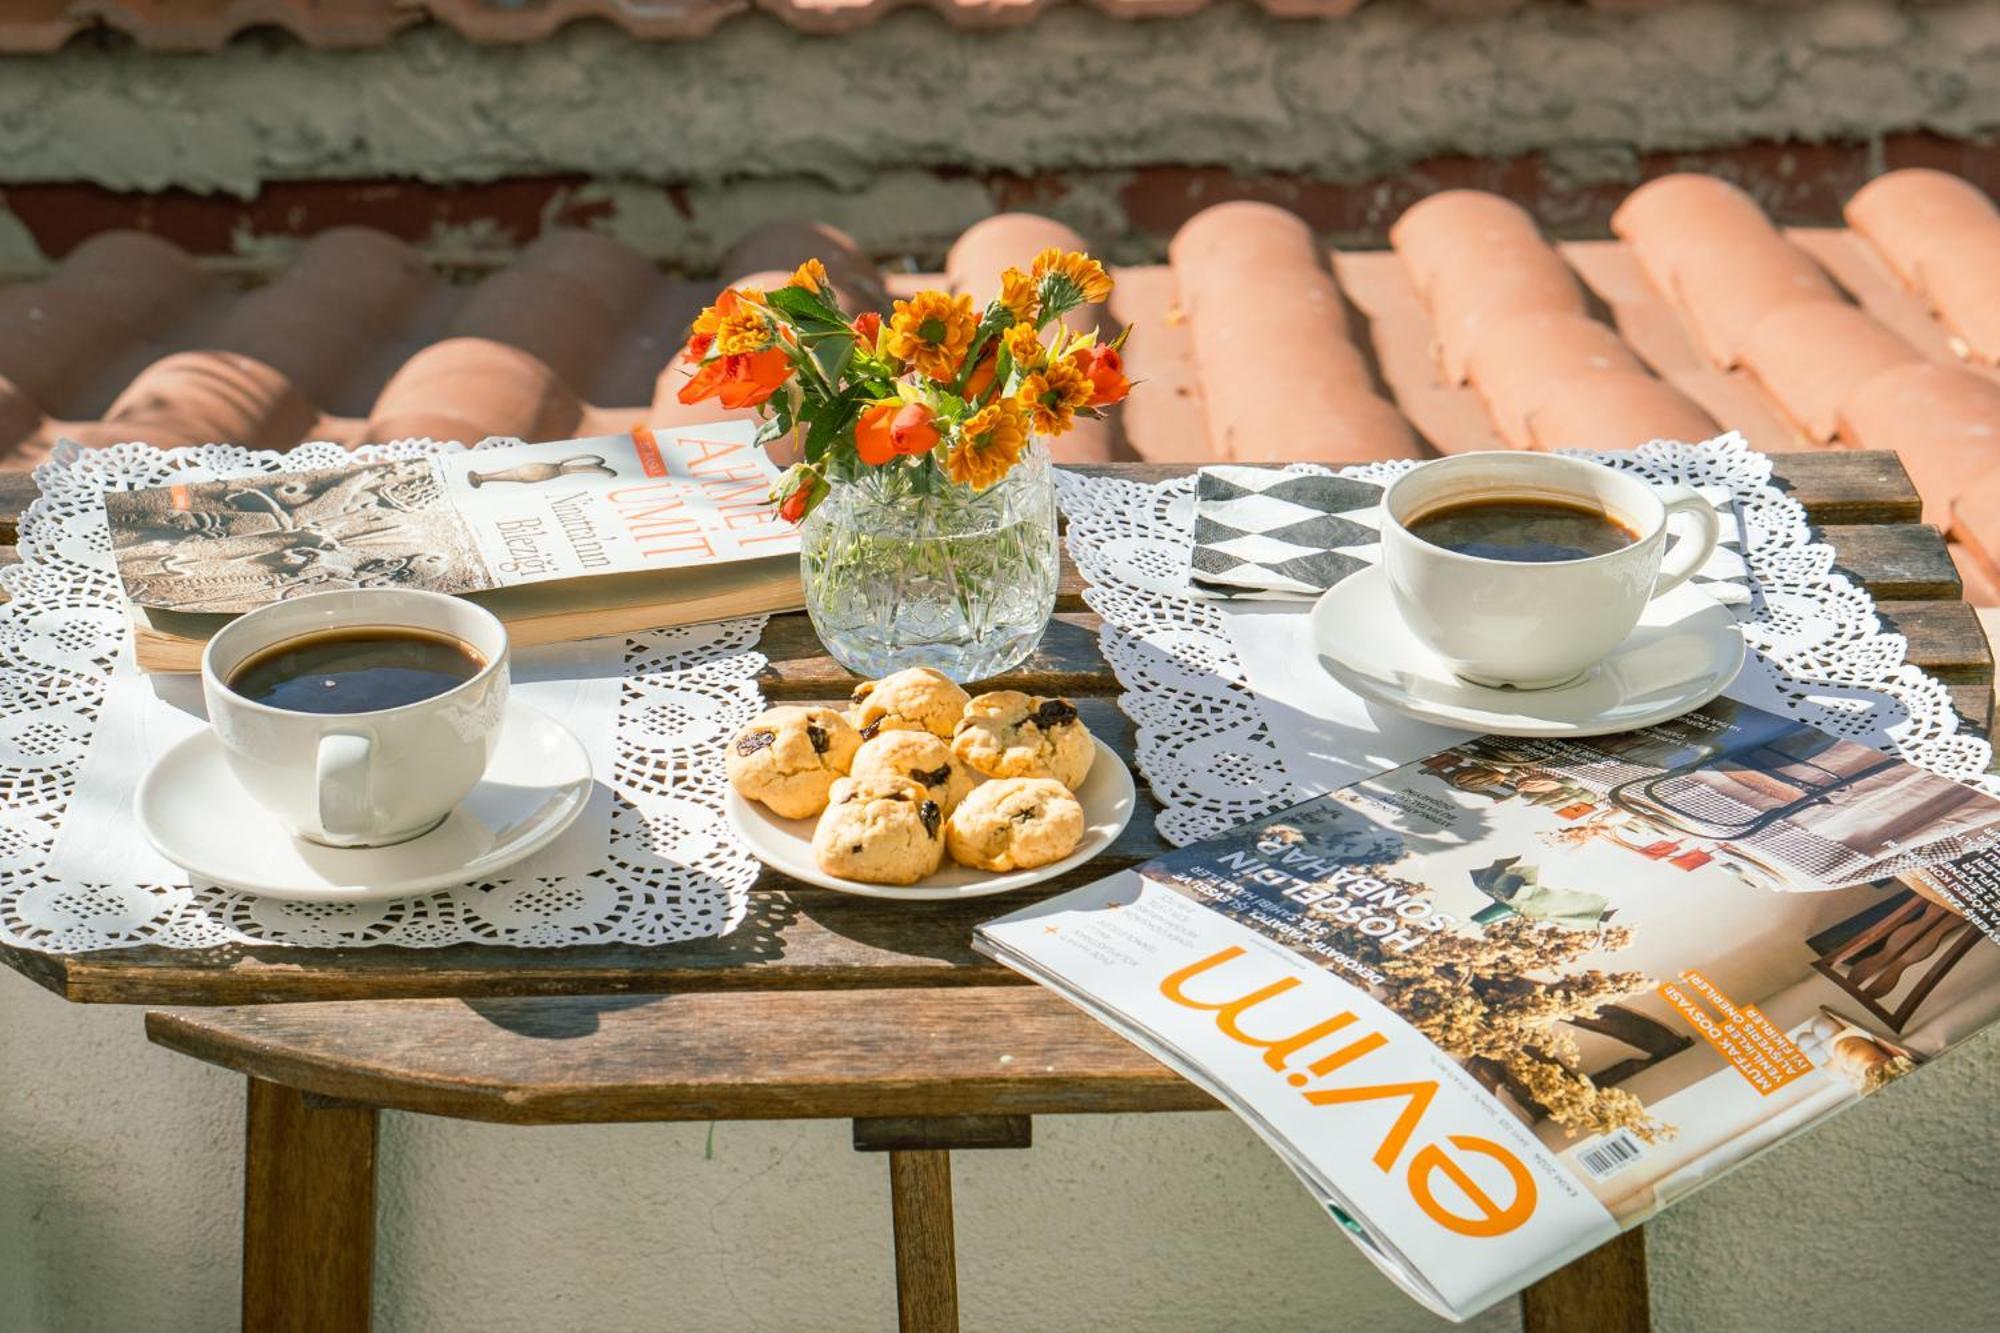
{"x": 785, "y": 845}
{"x": 1685, "y": 651}
{"x": 192, "y": 810}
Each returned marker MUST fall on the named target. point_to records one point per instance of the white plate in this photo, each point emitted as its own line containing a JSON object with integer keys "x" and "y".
{"x": 785, "y": 845}
{"x": 192, "y": 810}
{"x": 1684, "y": 652}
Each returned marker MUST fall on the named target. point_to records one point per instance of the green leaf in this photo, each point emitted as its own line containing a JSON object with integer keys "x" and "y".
{"x": 811, "y": 311}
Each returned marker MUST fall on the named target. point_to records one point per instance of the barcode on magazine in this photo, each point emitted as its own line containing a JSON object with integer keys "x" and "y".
{"x": 1607, "y": 1158}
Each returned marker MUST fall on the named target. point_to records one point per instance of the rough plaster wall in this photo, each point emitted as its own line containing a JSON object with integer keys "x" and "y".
{"x": 120, "y": 1189}
{"x": 867, "y": 117}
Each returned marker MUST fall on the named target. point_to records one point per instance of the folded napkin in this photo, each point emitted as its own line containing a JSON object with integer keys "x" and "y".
{"x": 1271, "y": 535}
{"x": 143, "y": 716}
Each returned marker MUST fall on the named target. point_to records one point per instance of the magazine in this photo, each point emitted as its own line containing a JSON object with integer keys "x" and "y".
{"x": 616, "y": 533}
{"x": 1496, "y": 1006}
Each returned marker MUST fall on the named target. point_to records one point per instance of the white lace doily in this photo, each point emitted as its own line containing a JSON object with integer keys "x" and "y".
{"x": 671, "y": 871}
{"x": 1819, "y": 651}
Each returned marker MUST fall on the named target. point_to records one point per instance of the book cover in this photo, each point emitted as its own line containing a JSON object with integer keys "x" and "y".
{"x": 1498, "y": 1004}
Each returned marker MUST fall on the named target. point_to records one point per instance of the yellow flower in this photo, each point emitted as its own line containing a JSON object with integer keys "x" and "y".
{"x": 1017, "y": 294}
{"x": 1052, "y": 395}
{"x": 810, "y": 275}
{"x": 1024, "y": 346}
{"x": 1067, "y": 278}
{"x": 744, "y": 329}
{"x": 989, "y": 444}
{"x": 931, "y": 331}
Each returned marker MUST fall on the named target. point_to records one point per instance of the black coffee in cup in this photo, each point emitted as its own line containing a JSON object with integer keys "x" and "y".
{"x": 356, "y": 670}
{"x": 1526, "y": 529}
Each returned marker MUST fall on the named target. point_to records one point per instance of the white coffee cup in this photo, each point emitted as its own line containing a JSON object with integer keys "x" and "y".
{"x": 359, "y": 779}
{"x": 1535, "y": 625}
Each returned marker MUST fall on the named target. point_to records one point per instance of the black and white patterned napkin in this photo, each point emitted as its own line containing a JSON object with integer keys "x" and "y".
{"x": 1267, "y": 534}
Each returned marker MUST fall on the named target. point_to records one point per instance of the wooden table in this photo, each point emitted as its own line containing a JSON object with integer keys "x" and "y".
{"x": 819, "y": 1005}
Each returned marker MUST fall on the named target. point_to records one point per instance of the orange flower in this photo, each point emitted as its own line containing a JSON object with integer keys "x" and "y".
{"x": 810, "y": 275}
{"x": 981, "y": 378}
{"x": 744, "y": 380}
{"x": 931, "y": 331}
{"x": 1017, "y": 293}
{"x": 1052, "y": 396}
{"x": 911, "y": 430}
{"x": 867, "y": 328}
{"x": 736, "y": 320}
{"x": 874, "y": 439}
{"x": 1067, "y": 278}
{"x": 989, "y": 443}
{"x": 794, "y": 507}
{"x": 1105, "y": 370}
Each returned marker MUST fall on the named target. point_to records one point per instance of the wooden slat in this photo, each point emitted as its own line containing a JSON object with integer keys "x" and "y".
{"x": 17, "y": 492}
{"x": 1896, "y": 560}
{"x": 1065, "y": 662}
{"x": 1945, "y": 638}
{"x": 700, "y": 1056}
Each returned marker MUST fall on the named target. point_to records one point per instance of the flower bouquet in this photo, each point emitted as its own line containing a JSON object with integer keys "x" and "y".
{"x": 927, "y": 505}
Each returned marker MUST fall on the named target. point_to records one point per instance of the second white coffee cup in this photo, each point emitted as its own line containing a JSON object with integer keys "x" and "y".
{"x": 365, "y": 779}
{"x": 1536, "y": 625}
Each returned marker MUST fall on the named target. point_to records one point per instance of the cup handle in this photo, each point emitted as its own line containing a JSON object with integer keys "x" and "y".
{"x": 1694, "y": 548}
{"x": 343, "y": 785}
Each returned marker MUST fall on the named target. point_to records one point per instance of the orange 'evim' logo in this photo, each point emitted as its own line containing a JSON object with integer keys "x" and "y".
{"x": 1490, "y": 1217}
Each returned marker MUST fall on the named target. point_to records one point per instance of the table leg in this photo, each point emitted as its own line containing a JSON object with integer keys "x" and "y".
{"x": 1603, "y": 1292}
{"x": 926, "y": 1258}
{"x": 308, "y": 1213}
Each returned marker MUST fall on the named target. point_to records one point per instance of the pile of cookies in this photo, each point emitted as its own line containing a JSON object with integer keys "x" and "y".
{"x": 917, "y": 769}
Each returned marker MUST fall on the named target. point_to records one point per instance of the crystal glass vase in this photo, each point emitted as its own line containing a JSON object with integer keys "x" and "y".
{"x": 905, "y": 568}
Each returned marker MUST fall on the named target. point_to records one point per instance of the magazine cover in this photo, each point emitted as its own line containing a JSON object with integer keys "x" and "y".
{"x": 465, "y": 521}
{"x": 1501, "y": 1003}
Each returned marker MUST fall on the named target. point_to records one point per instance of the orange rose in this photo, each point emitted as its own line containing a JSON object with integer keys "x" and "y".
{"x": 744, "y": 380}
{"x": 872, "y": 437}
{"x": 794, "y": 507}
{"x": 1105, "y": 370}
{"x": 981, "y": 378}
{"x": 867, "y": 328}
{"x": 912, "y": 431}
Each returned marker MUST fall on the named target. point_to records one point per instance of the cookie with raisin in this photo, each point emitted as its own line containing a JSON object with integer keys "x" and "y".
{"x": 1014, "y": 824}
{"x": 789, "y": 757}
{"x": 879, "y": 830}
{"x": 919, "y": 699}
{"x": 920, "y": 757}
{"x": 1008, "y": 734}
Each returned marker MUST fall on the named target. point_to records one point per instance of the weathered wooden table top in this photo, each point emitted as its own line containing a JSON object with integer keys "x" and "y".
{"x": 799, "y": 937}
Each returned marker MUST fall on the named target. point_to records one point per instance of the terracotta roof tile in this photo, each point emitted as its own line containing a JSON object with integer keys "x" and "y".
{"x": 1810, "y": 355}
{"x": 1280, "y": 374}
{"x": 1941, "y": 235}
{"x": 1525, "y": 361}
{"x": 1709, "y": 247}
{"x": 1253, "y": 341}
{"x": 1943, "y": 420}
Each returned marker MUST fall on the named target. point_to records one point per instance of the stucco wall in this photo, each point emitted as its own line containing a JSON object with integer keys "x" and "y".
{"x": 119, "y": 1196}
{"x": 896, "y": 132}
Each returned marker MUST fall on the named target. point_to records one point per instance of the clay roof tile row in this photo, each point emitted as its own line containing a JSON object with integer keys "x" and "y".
{"x": 1253, "y": 341}
{"x": 206, "y": 25}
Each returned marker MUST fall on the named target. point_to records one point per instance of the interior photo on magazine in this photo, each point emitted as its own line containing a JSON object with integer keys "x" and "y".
{"x": 1499, "y": 1004}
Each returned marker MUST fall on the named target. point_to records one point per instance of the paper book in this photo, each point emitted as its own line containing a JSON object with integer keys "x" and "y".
{"x": 570, "y": 540}
{"x": 1498, "y": 1005}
